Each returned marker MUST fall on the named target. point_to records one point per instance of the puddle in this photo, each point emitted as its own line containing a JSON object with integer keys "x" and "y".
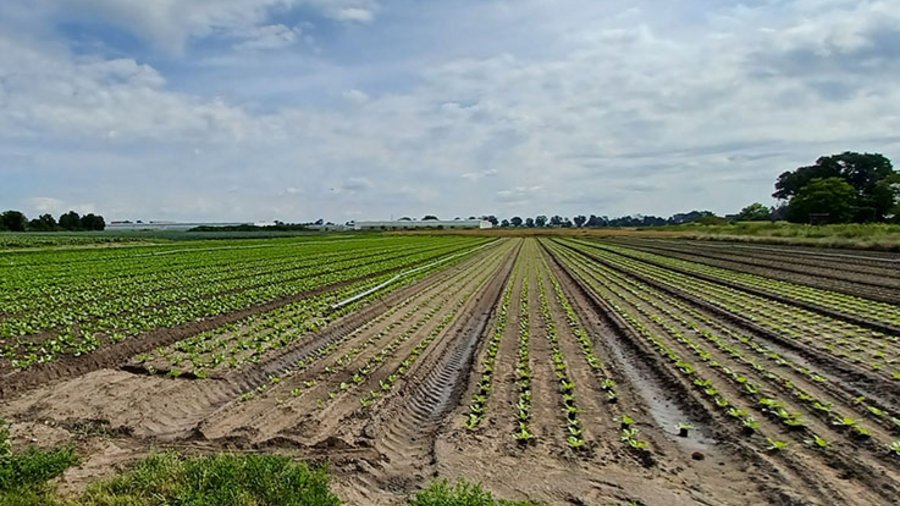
{"x": 663, "y": 404}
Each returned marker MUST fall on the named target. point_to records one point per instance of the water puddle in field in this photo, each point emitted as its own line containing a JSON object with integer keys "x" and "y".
{"x": 663, "y": 404}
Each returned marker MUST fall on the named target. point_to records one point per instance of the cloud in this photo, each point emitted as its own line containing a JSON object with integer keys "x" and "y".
{"x": 355, "y": 14}
{"x": 269, "y": 37}
{"x": 594, "y": 109}
{"x": 356, "y": 184}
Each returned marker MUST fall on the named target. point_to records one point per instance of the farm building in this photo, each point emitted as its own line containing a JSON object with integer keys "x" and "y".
{"x": 410, "y": 224}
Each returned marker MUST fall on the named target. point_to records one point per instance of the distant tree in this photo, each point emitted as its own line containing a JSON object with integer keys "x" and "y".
{"x": 540, "y": 220}
{"x": 862, "y": 171}
{"x": 887, "y": 194}
{"x": 14, "y": 221}
{"x": 580, "y": 220}
{"x": 529, "y": 222}
{"x": 516, "y": 221}
{"x": 70, "y": 221}
{"x": 405, "y": 218}
{"x": 472, "y": 218}
{"x": 320, "y": 222}
{"x": 504, "y": 223}
{"x": 832, "y": 197}
{"x": 493, "y": 219}
{"x": 754, "y": 212}
{"x": 43, "y": 223}
{"x": 92, "y": 221}
{"x": 556, "y": 221}
{"x": 567, "y": 223}
{"x": 430, "y": 217}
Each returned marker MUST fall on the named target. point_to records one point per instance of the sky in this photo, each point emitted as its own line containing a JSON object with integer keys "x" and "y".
{"x": 257, "y": 110}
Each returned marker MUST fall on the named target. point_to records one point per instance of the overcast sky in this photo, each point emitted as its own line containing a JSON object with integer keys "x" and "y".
{"x": 347, "y": 109}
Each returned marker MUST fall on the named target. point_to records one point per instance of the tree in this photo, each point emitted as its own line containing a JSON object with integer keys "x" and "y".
{"x": 92, "y": 221}
{"x": 556, "y": 221}
{"x": 754, "y": 212}
{"x": 540, "y": 220}
{"x": 43, "y": 223}
{"x": 529, "y": 222}
{"x": 861, "y": 171}
{"x": 516, "y": 221}
{"x": 493, "y": 219}
{"x": 14, "y": 221}
{"x": 430, "y": 217}
{"x": 831, "y": 197}
{"x": 504, "y": 223}
{"x": 580, "y": 220}
{"x": 70, "y": 221}
{"x": 887, "y": 193}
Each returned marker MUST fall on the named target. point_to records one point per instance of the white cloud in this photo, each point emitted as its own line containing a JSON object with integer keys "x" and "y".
{"x": 356, "y": 96}
{"x": 355, "y": 14}
{"x": 607, "y": 113}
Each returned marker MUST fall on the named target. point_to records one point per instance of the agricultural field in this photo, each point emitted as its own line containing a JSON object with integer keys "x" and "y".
{"x": 564, "y": 370}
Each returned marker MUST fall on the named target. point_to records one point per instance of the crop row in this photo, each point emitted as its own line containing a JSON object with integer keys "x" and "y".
{"x": 678, "y": 330}
{"x": 843, "y": 303}
{"x": 111, "y": 314}
{"x": 423, "y": 310}
{"x": 78, "y": 338}
{"x": 488, "y": 364}
{"x": 842, "y": 339}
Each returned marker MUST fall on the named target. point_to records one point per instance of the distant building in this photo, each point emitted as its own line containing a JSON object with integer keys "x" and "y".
{"x": 165, "y": 225}
{"x": 422, "y": 224}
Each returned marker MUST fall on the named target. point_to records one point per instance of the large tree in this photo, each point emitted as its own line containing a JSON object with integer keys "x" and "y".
{"x": 70, "y": 221}
{"x": 516, "y": 221}
{"x": 579, "y": 220}
{"x": 92, "y": 221}
{"x": 43, "y": 223}
{"x": 831, "y": 198}
{"x": 862, "y": 171}
{"x": 540, "y": 220}
{"x": 14, "y": 221}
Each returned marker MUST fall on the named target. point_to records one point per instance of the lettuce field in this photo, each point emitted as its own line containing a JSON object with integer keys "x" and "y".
{"x": 557, "y": 369}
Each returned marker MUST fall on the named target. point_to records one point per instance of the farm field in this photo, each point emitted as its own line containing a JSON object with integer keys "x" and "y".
{"x": 566, "y": 370}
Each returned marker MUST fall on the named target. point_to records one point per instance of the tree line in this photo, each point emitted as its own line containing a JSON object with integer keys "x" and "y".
{"x": 844, "y": 188}
{"x": 16, "y": 221}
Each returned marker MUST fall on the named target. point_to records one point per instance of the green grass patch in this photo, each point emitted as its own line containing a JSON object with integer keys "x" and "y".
{"x": 877, "y": 236}
{"x": 441, "y": 493}
{"x": 220, "y": 480}
{"x": 24, "y": 475}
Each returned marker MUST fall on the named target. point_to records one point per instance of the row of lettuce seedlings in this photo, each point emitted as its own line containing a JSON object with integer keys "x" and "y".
{"x": 574, "y": 428}
{"x": 820, "y": 407}
{"x": 340, "y": 364}
{"x": 768, "y": 405}
{"x": 480, "y": 398}
{"x": 843, "y": 339}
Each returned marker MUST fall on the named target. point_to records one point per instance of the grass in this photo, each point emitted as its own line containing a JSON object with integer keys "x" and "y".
{"x": 873, "y": 236}
{"x": 877, "y": 236}
{"x": 226, "y": 480}
{"x": 441, "y": 493}
{"x": 168, "y": 479}
{"x": 24, "y": 475}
